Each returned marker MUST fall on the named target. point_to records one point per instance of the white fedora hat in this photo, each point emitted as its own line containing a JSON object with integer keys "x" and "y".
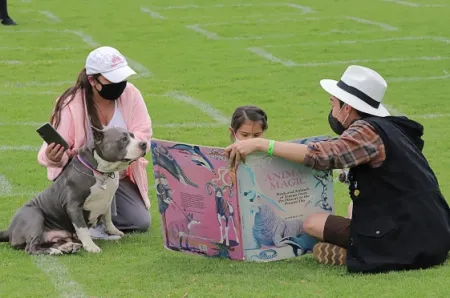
{"x": 361, "y": 88}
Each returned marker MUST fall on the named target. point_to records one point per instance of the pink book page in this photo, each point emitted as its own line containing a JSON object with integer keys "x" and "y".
{"x": 196, "y": 200}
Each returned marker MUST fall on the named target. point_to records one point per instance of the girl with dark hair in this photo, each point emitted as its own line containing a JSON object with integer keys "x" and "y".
{"x": 248, "y": 122}
{"x": 102, "y": 97}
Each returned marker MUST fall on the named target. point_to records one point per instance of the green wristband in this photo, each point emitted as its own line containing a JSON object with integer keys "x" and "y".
{"x": 271, "y": 147}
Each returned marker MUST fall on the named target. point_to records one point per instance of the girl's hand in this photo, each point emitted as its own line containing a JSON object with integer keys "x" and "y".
{"x": 239, "y": 150}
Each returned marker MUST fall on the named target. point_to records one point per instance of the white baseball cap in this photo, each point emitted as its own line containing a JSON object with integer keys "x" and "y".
{"x": 110, "y": 63}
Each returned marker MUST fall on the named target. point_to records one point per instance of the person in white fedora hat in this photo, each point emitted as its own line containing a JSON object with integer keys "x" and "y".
{"x": 400, "y": 219}
{"x": 102, "y": 97}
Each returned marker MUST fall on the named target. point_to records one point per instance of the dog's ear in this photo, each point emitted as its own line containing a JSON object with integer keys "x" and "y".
{"x": 98, "y": 134}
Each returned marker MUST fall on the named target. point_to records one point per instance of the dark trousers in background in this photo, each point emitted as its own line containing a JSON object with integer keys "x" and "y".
{"x": 3, "y": 10}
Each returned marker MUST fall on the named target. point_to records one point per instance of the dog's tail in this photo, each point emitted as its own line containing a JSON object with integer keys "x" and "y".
{"x": 4, "y": 236}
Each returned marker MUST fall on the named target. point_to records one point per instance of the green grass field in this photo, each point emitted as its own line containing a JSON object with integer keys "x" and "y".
{"x": 198, "y": 60}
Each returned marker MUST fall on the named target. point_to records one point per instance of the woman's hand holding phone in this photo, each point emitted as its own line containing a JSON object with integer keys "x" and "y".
{"x": 55, "y": 152}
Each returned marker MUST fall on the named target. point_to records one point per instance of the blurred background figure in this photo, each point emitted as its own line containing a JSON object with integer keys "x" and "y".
{"x": 6, "y": 20}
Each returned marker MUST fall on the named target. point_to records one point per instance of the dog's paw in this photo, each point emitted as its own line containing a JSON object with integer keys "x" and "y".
{"x": 92, "y": 248}
{"x": 70, "y": 247}
{"x": 55, "y": 252}
{"x": 114, "y": 231}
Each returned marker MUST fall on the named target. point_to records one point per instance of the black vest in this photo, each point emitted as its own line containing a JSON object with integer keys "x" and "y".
{"x": 400, "y": 218}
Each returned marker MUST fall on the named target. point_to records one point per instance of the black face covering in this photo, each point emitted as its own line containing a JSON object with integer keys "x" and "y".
{"x": 112, "y": 91}
{"x": 335, "y": 125}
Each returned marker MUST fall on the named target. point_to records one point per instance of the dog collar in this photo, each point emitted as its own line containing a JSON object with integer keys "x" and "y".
{"x": 87, "y": 165}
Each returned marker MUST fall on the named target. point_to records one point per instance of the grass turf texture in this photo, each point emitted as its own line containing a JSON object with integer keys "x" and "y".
{"x": 42, "y": 56}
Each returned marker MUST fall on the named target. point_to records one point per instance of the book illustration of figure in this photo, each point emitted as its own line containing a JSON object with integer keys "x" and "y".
{"x": 267, "y": 254}
{"x": 196, "y": 155}
{"x": 252, "y": 196}
{"x": 224, "y": 210}
{"x": 163, "y": 192}
{"x": 270, "y": 229}
{"x": 217, "y": 154}
{"x": 260, "y": 161}
{"x": 163, "y": 195}
{"x": 322, "y": 179}
{"x": 222, "y": 251}
{"x": 161, "y": 157}
{"x": 181, "y": 229}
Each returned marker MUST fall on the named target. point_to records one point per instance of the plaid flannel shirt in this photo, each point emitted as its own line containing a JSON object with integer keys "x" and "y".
{"x": 359, "y": 144}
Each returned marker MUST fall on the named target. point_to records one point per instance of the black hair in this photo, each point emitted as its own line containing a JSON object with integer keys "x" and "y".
{"x": 248, "y": 113}
{"x": 360, "y": 114}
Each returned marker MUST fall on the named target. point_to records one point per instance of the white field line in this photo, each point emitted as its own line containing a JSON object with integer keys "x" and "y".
{"x": 202, "y": 106}
{"x": 208, "y": 34}
{"x": 141, "y": 70}
{"x": 20, "y": 123}
{"x": 256, "y": 21}
{"x": 5, "y": 186}
{"x": 396, "y": 112}
{"x": 38, "y": 62}
{"x": 18, "y": 194}
{"x": 365, "y": 21}
{"x": 26, "y": 1}
{"x": 363, "y": 41}
{"x": 269, "y": 56}
{"x": 43, "y": 49}
{"x": 200, "y": 28}
{"x": 289, "y": 63}
{"x": 307, "y": 19}
{"x": 393, "y": 111}
{"x": 10, "y": 62}
{"x": 351, "y": 32}
{"x": 50, "y": 16}
{"x": 398, "y": 59}
{"x": 304, "y": 9}
{"x": 213, "y": 35}
{"x": 432, "y": 116}
{"x": 35, "y": 83}
{"x": 60, "y": 277}
{"x": 21, "y": 93}
{"x": 153, "y": 14}
{"x": 414, "y": 4}
{"x": 250, "y": 16}
{"x": 19, "y": 148}
{"x": 294, "y": 19}
{"x": 446, "y": 76}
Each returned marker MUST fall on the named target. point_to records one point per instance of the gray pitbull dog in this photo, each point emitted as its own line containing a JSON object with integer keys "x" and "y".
{"x": 57, "y": 220}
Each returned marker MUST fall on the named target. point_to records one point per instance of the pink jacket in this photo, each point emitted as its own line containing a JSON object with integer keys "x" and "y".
{"x": 72, "y": 129}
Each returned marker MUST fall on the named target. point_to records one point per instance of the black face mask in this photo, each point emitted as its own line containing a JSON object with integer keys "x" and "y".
{"x": 335, "y": 125}
{"x": 112, "y": 91}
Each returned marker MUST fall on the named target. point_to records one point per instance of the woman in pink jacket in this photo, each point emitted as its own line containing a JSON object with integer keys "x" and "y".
{"x": 102, "y": 97}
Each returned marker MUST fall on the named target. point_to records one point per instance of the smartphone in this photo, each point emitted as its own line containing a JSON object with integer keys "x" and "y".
{"x": 49, "y": 134}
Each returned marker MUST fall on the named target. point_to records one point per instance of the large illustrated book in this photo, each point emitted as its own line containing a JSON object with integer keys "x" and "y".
{"x": 255, "y": 212}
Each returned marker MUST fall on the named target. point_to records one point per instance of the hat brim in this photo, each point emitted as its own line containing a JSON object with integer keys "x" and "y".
{"x": 118, "y": 75}
{"x": 331, "y": 87}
